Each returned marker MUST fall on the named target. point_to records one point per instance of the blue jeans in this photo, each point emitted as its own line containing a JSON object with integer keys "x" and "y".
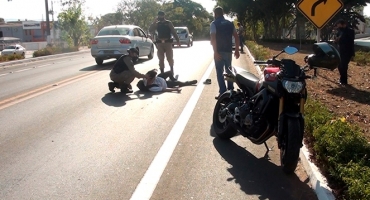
{"x": 222, "y": 66}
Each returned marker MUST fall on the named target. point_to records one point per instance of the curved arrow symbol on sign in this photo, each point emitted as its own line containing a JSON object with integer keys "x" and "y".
{"x": 318, "y": 2}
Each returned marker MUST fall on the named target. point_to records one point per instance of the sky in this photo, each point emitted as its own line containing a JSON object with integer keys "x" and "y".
{"x": 20, "y": 9}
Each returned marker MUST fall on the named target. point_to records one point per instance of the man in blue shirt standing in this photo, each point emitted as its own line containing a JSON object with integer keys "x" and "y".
{"x": 221, "y": 32}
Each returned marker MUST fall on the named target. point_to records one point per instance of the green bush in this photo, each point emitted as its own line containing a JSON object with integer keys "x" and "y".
{"x": 258, "y": 51}
{"x": 341, "y": 151}
{"x": 51, "y": 50}
{"x": 10, "y": 57}
{"x": 362, "y": 58}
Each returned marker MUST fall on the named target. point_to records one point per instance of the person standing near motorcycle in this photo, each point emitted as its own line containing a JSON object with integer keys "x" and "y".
{"x": 221, "y": 32}
{"x": 164, "y": 41}
{"x": 241, "y": 36}
{"x": 345, "y": 39}
{"x": 123, "y": 72}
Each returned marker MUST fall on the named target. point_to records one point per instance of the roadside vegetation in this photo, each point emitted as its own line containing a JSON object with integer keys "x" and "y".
{"x": 337, "y": 146}
{"x": 12, "y": 57}
{"x": 51, "y": 50}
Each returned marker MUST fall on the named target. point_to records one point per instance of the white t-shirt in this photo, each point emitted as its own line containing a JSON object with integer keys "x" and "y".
{"x": 158, "y": 81}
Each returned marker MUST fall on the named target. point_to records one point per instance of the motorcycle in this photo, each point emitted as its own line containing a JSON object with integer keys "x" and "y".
{"x": 272, "y": 105}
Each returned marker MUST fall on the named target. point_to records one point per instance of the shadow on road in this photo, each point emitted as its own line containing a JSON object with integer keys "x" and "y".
{"x": 117, "y": 99}
{"x": 258, "y": 176}
{"x": 146, "y": 95}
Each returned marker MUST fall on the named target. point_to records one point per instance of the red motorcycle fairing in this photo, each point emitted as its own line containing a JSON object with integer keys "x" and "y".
{"x": 269, "y": 73}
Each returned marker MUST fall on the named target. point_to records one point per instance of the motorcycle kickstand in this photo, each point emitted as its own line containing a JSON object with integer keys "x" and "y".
{"x": 267, "y": 152}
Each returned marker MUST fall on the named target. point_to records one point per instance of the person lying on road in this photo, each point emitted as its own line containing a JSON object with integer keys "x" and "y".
{"x": 159, "y": 83}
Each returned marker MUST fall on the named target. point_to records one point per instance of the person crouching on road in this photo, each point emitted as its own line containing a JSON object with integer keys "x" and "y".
{"x": 159, "y": 83}
{"x": 123, "y": 72}
{"x": 164, "y": 41}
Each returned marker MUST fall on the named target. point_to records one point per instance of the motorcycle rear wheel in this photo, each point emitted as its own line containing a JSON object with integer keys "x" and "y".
{"x": 221, "y": 125}
{"x": 289, "y": 153}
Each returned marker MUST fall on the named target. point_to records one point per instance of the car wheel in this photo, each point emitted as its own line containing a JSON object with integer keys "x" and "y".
{"x": 151, "y": 53}
{"x": 99, "y": 61}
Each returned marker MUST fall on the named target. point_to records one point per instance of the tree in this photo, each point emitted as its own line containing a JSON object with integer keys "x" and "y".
{"x": 138, "y": 12}
{"x": 73, "y": 25}
{"x": 181, "y": 12}
{"x": 190, "y": 14}
{"x": 275, "y": 16}
{"x": 106, "y": 20}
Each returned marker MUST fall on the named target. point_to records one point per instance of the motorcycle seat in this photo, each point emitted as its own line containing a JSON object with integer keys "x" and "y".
{"x": 248, "y": 80}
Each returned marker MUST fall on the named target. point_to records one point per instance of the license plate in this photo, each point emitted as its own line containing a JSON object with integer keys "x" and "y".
{"x": 108, "y": 51}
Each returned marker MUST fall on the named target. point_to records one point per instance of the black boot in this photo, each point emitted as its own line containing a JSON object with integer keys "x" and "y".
{"x": 126, "y": 88}
{"x": 111, "y": 86}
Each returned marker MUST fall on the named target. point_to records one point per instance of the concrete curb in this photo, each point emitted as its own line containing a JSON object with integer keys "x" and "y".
{"x": 26, "y": 60}
{"x": 317, "y": 180}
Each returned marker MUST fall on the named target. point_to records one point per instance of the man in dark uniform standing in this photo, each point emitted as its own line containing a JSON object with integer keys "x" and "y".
{"x": 164, "y": 42}
{"x": 345, "y": 39}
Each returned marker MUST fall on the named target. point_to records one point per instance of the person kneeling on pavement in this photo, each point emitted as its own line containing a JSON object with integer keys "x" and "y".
{"x": 159, "y": 83}
{"x": 123, "y": 72}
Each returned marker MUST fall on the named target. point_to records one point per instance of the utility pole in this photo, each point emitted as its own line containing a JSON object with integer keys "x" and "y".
{"x": 52, "y": 18}
{"x": 47, "y": 18}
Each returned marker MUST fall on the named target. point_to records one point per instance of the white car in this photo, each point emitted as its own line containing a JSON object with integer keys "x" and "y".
{"x": 14, "y": 50}
{"x": 114, "y": 41}
{"x": 185, "y": 37}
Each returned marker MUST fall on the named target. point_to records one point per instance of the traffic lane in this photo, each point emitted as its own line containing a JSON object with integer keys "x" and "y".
{"x": 78, "y": 141}
{"x": 205, "y": 167}
{"x": 27, "y": 78}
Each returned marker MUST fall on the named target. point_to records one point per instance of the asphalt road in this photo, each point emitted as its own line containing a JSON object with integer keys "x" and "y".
{"x": 65, "y": 136}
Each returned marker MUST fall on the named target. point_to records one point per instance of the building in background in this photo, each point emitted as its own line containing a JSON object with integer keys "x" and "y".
{"x": 27, "y": 31}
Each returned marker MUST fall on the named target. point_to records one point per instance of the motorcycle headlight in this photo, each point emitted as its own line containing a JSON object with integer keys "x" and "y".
{"x": 293, "y": 86}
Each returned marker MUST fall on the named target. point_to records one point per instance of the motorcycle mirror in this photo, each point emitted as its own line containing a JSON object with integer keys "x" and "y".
{"x": 290, "y": 50}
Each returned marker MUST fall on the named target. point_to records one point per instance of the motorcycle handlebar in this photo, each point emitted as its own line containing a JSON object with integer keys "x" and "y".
{"x": 268, "y": 62}
{"x": 260, "y": 62}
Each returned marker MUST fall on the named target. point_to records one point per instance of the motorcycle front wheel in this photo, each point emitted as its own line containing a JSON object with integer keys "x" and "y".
{"x": 221, "y": 125}
{"x": 289, "y": 153}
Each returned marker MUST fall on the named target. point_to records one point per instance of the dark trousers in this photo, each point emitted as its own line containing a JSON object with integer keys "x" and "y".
{"x": 172, "y": 84}
{"x": 241, "y": 39}
{"x": 343, "y": 68}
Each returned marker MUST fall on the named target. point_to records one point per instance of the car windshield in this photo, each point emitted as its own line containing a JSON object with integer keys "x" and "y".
{"x": 180, "y": 31}
{"x": 10, "y": 47}
{"x": 114, "y": 31}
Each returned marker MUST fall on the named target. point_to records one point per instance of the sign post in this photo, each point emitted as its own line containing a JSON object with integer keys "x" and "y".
{"x": 319, "y": 12}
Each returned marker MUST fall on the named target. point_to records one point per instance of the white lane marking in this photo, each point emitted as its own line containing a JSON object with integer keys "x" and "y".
{"x": 151, "y": 177}
{"x": 42, "y": 66}
{"x": 22, "y": 70}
